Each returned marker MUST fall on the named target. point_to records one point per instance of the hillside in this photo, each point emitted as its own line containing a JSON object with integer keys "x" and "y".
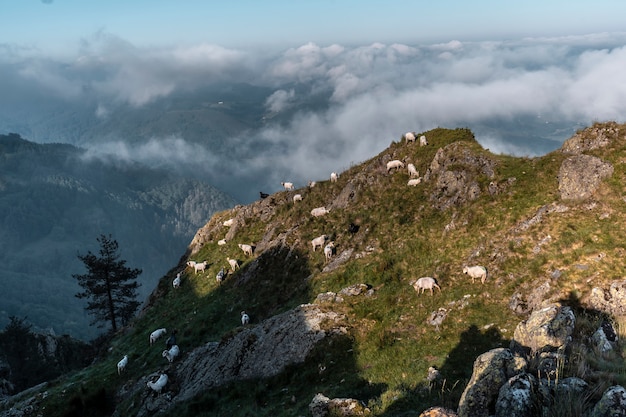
{"x": 54, "y": 203}
{"x": 546, "y": 228}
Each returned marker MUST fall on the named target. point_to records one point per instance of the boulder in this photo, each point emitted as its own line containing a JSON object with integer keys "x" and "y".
{"x": 491, "y": 370}
{"x": 517, "y": 398}
{"x": 612, "y": 403}
{"x": 547, "y": 329}
{"x": 580, "y": 176}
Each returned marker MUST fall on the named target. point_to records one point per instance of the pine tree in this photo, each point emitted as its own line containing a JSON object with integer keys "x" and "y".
{"x": 109, "y": 284}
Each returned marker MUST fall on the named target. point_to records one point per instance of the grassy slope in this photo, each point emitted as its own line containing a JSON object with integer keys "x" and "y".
{"x": 385, "y": 361}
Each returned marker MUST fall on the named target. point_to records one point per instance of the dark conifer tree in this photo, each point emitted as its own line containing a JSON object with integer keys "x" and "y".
{"x": 109, "y": 284}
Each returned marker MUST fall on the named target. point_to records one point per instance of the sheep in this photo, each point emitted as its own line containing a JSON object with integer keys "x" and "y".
{"x": 409, "y": 137}
{"x": 200, "y": 266}
{"x": 413, "y": 182}
{"x": 333, "y": 177}
{"x": 318, "y": 241}
{"x": 228, "y": 222}
{"x": 425, "y": 283}
{"x": 121, "y": 365}
{"x": 234, "y": 263}
{"x": 423, "y": 141}
{"x": 220, "y": 276}
{"x": 319, "y": 211}
{"x": 159, "y": 384}
{"x": 247, "y": 249}
{"x": 221, "y": 242}
{"x": 297, "y": 197}
{"x": 191, "y": 264}
{"x": 155, "y": 335}
{"x": 412, "y": 171}
{"x": 288, "y": 186}
{"x": 328, "y": 250}
{"x": 477, "y": 271}
{"x": 171, "y": 354}
{"x": 245, "y": 319}
{"x": 395, "y": 164}
{"x": 312, "y": 184}
{"x": 176, "y": 282}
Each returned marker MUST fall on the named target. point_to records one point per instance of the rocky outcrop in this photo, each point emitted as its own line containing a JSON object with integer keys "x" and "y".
{"x": 254, "y": 352}
{"x": 611, "y": 300}
{"x": 322, "y": 406}
{"x": 580, "y": 176}
{"x": 456, "y": 170}
{"x": 547, "y": 329}
{"x": 600, "y": 135}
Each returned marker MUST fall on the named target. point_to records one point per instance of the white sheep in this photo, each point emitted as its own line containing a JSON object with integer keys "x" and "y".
{"x": 121, "y": 365}
{"x": 171, "y": 354}
{"x": 221, "y": 242}
{"x": 409, "y": 137}
{"x": 228, "y": 222}
{"x": 245, "y": 318}
{"x": 413, "y": 172}
{"x": 477, "y": 271}
{"x": 423, "y": 141}
{"x": 247, "y": 249}
{"x": 191, "y": 264}
{"x": 395, "y": 164}
{"x": 287, "y": 186}
{"x": 319, "y": 211}
{"x": 234, "y": 263}
{"x": 333, "y": 177}
{"x": 318, "y": 241}
{"x": 159, "y": 384}
{"x": 328, "y": 250}
{"x": 425, "y": 283}
{"x": 155, "y": 335}
{"x": 297, "y": 197}
{"x": 413, "y": 182}
{"x": 176, "y": 282}
{"x": 200, "y": 266}
{"x": 312, "y": 184}
{"x": 220, "y": 276}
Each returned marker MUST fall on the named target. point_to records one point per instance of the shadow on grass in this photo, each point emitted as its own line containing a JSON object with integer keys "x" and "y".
{"x": 454, "y": 374}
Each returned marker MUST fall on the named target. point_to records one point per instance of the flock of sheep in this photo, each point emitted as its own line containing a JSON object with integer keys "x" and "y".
{"x": 420, "y": 285}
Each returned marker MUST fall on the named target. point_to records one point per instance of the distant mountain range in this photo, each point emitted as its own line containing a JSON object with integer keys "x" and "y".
{"x": 55, "y": 202}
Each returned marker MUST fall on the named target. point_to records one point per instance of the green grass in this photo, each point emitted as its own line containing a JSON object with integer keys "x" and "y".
{"x": 384, "y": 359}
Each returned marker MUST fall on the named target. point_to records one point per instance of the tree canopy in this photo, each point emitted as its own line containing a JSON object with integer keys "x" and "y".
{"x": 109, "y": 284}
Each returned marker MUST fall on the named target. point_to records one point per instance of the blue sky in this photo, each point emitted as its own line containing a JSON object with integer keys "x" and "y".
{"x": 385, "y": 67}
{"x": 59, "y": 25}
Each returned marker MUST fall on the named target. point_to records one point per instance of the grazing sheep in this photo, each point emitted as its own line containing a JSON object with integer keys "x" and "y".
{"x": 409, "y": 137}
{"x": 477, "y": 271}
{"x": 245, "y": 319}
{"x": 228, "y": 222}
{"x": 412, "y": 171}
{"x": 297, "y": 197}
{"x": 425, "y": 283}
{"x": 171, "y": 354}
{"x": 395, "y": 164}
{"x": 312, "y": 184}
{"x": 287, "y": 186}
{"x": 191, "y": 264}
{"x": 176, "y": 282}
{"x": 423, "y": 141}
{"x": 333, "y": 177}
{"x": 319, "y": 211}
{"x": 413, "y": 182}
{"x": 200, "y": 266}
{"x": 221, "y": 242}
{"x": 318, "y": 241}
{"x": 159, "y": 384}
{"x": 121, "y": 365}
{"x": 155, "y": 335}
{"x": 328, "y": 250}
{"x": 220, "y": 276}
{"x": 247, "y": 249}
{"x": 263, "y": 195}
{"x": 234, "y": 263}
